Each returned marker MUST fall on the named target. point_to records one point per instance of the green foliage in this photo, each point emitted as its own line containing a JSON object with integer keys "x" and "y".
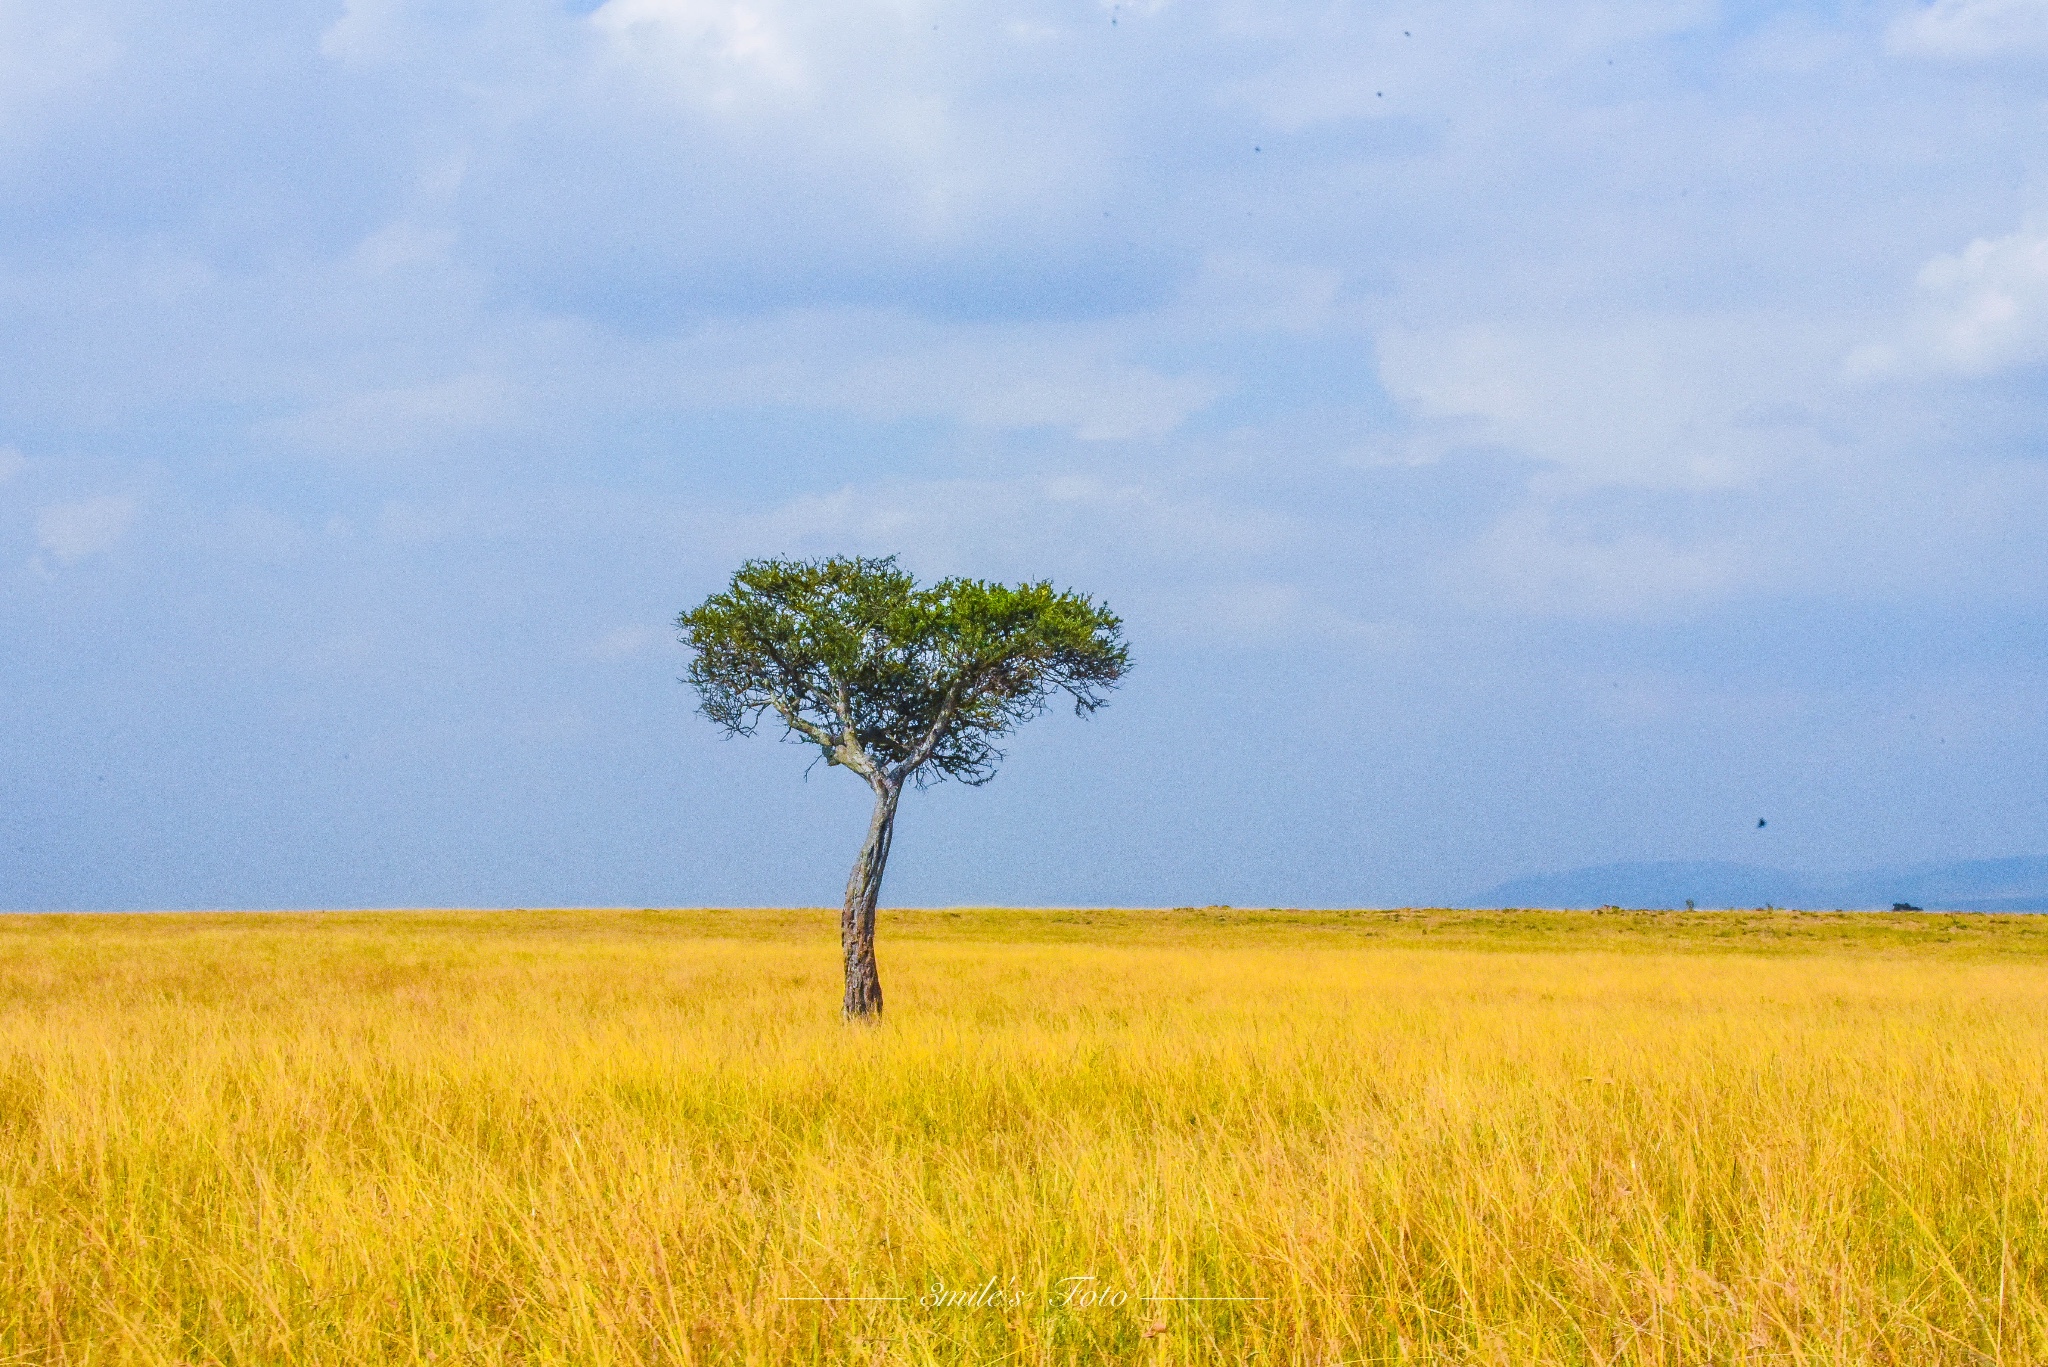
{"x": 891, "y": 680}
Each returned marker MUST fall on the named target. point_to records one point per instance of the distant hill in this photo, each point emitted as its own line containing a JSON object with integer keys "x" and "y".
{"x": 1968, "y": 885}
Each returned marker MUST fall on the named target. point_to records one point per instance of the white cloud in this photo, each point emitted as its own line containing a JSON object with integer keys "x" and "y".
{"x": 1265, "y": 612}
{"x": 890, "y": 116}
{"x": 402, "y": 418}
{"x": 1529, "y": 562}
{"x": 1329, "y": 63}
{"x": 1972, "y": 30}
{"x": 47, "y": 51}
{"x": 364, "y": 30}
{"x": 1981, "y": 310}
{"x": 950, "y": 524}
{"x": 72, "y": 531}
{"x": 390, "y": 32}
{"x": 721, "y": 52}
{"x": 888, "y": 367}
{"x": 401, "y": 244}
{"x": 1097, "y": 398}
{"x": 1689, "y": 403}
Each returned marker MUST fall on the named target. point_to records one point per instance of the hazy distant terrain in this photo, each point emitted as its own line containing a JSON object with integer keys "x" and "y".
{"x": 1970, "y": 885}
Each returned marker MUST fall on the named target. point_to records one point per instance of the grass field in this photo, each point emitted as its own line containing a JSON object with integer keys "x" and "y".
{"x": 623, "y": 1137}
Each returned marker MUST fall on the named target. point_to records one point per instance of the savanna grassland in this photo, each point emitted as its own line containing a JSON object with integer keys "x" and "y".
{"x": 624, "y": 1137}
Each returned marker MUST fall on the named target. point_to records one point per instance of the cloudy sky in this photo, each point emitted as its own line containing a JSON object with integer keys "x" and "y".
{"x": 1517, "y": 435}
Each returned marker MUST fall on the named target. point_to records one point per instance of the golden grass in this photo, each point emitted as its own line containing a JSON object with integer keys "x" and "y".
{"x": 630, "y": 1138}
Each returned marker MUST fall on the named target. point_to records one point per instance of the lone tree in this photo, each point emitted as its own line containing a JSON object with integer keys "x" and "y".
{"x": 897, "y": 683}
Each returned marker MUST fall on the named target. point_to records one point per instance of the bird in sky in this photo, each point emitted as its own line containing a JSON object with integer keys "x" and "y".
{"x": 1760, "y": 823}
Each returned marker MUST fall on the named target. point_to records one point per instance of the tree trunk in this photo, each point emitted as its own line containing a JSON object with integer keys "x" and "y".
{"x": 857, "y": 921}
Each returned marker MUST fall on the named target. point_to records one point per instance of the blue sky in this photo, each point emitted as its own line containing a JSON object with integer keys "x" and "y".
{"x": 1518, "y": 436}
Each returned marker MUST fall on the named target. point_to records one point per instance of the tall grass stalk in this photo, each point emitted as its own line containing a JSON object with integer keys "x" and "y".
{"x": 608, "y": 1139}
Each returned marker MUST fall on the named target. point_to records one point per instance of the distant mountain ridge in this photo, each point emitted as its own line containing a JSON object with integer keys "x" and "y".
{"x": 2018, "y": 884}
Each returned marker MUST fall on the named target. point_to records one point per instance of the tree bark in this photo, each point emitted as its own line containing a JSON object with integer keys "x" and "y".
{"x": 857, "y": 920}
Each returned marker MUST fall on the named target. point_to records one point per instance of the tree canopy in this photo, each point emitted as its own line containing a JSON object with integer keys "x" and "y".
{"x": 895, "y": 682}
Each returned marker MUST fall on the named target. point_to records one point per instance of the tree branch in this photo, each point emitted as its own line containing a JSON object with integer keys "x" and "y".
{"x": 923, "y": 751}
{"x": 791, "y": 718}
{"x": 852, "y": 753}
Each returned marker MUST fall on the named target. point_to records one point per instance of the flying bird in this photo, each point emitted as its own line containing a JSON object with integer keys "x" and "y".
{"x": 1760, "y": 823}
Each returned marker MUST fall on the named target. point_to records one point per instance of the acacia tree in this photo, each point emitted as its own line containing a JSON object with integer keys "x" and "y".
{"x": 897, "y": 683}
